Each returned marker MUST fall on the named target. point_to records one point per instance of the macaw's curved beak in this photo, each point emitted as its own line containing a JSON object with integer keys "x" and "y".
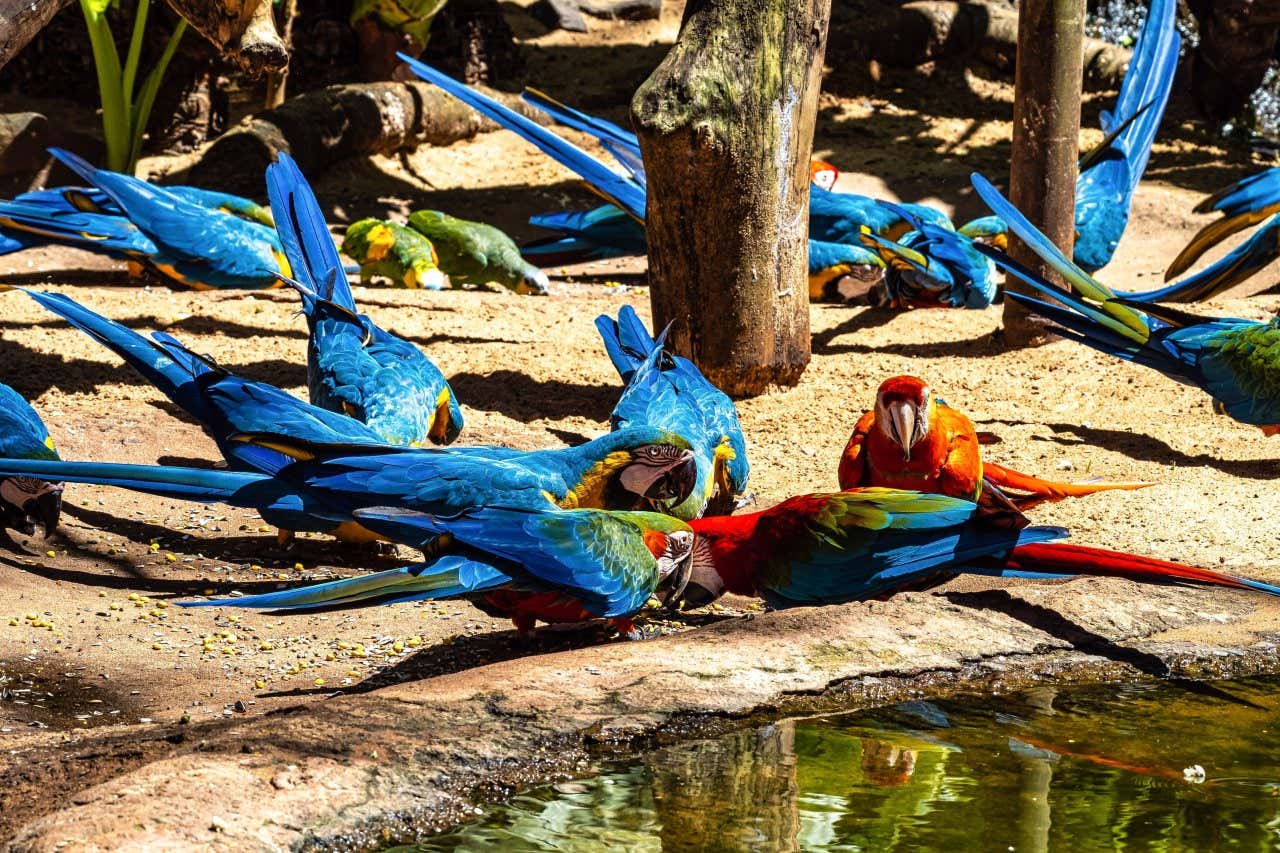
{"x": 905, "y": 427}
{"x": 671, "y": 482}
{"x": 46, "y": 510}
{"x": 443, "y": 430}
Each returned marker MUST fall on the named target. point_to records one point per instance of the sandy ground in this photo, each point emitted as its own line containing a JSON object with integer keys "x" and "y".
{"x": 87, "y": 633}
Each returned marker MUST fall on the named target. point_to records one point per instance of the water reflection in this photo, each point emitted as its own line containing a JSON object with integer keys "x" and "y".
{"x": 1052, "y": 769}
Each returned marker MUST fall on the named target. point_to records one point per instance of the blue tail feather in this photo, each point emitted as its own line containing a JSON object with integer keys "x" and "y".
{"x": 304, "y": 234}
{"x": 446, "y": 577}
{"x": 623, "y": 191}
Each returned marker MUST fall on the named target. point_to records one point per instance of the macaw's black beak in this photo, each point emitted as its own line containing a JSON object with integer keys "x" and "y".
{"x": 677, "y": 482}
{"x": 46, "y": 509}
{"x": 694, "y": 596}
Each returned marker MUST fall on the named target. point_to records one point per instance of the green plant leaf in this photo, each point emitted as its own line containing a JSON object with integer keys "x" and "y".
{"x": 142, "y": 108}
{"x": 135, "y": 53}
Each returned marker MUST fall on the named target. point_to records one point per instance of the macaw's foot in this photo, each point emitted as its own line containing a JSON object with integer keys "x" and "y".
{"x": 526, "y": 628}
{"x": 284, "y": 537}
{"x": 627, "y": 629}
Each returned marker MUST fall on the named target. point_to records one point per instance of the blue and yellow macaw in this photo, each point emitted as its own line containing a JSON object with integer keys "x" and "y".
{"x": 201, "y": 247}
{"x": 354, "y": 366}
{"x": 607, "y": 564}
{"x": 830, "y": 262}
{"x": 26, "y": 501}
{"x": 603, "y": 232}
{"x": 933, "y": 266}
{"x": 223, "y": 404}
{"x": 299, "y": 485}
{"x": 808, "y": 550}
{"x": 94, "y": 200}
{"x": 668, "y": 391}
{"x": 1242, "y": 205}
{"x": 1109, "y": 173}
{"x": 990, "y": 230}
{"x": 1236, "y": 362}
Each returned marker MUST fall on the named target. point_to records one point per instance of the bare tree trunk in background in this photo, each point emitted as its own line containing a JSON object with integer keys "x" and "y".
{"x": 726, "y": 127}
{"x": 1237, "y": 46}
{"x": 472, "y": 42}
{"x": 1046, "y": 141}
{"x": 20, "y": 20}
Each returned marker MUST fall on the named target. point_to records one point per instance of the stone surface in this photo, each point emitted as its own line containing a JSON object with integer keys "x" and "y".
{"x": 360, "y": 770}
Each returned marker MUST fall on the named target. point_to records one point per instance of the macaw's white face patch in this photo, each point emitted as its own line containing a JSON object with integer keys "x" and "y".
{"x": 19, "y": 490}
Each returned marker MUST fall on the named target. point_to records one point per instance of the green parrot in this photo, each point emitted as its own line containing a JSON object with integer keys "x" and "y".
{"x": 411, "y": 17}
{"x": 394, "y": 252}
{"x": 476, "y": 253}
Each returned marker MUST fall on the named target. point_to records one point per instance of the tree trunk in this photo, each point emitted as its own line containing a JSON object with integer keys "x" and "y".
{"x": 20, "y": 20}
{"x": 322, "y": 127}
{"x": 471, "y": 41}
{"x": 1046, "y": 142}
{"x": 1237, "y": 46}
{"x": 726, "y": 127}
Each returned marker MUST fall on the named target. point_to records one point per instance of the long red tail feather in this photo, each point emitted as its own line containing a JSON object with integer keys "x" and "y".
{"x": 1061, "y": 558}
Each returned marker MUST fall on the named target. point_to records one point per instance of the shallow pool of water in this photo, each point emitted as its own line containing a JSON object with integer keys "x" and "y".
{"x": 1140, "y": 767}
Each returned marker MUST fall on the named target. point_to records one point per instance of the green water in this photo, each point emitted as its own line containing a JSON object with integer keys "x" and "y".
{"x": 1078, "y": 769}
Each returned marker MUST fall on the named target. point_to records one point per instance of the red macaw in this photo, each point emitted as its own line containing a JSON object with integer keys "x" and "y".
{"x": 911, "y": 440}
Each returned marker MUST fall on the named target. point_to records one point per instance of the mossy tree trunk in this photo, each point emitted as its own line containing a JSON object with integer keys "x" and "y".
{"x": 726, "y": 127}
{"x": 1046, "y": 140}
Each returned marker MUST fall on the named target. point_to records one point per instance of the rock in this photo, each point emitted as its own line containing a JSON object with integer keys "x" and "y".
{"x": 23, "y": 139}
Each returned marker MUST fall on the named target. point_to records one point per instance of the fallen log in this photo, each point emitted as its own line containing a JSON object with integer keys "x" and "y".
{"x": 338, "y": 122}
{"x": 930, "y": 30}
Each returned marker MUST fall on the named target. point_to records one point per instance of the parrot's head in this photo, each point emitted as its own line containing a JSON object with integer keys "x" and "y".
{"x": 703, "y": 583}
{"x": 990, "y": 230}
{"x": 446, "y": 420}
{"x": 904, "y": 408}
{"x": 26, "y": 502}
{"x": 533, "y": 281}
{"x": 660, "y": 473}
{"x": 823, "y": 174}
{"x": 672, "y": 544}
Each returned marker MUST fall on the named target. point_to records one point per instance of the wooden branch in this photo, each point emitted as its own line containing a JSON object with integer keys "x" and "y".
{"x": 726, "y": 127}
{"x": 327, "y": 125}
{"x": 245, "y": 30}
{"x": 932, "y": 30}
{"x": 21, "y": 20}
